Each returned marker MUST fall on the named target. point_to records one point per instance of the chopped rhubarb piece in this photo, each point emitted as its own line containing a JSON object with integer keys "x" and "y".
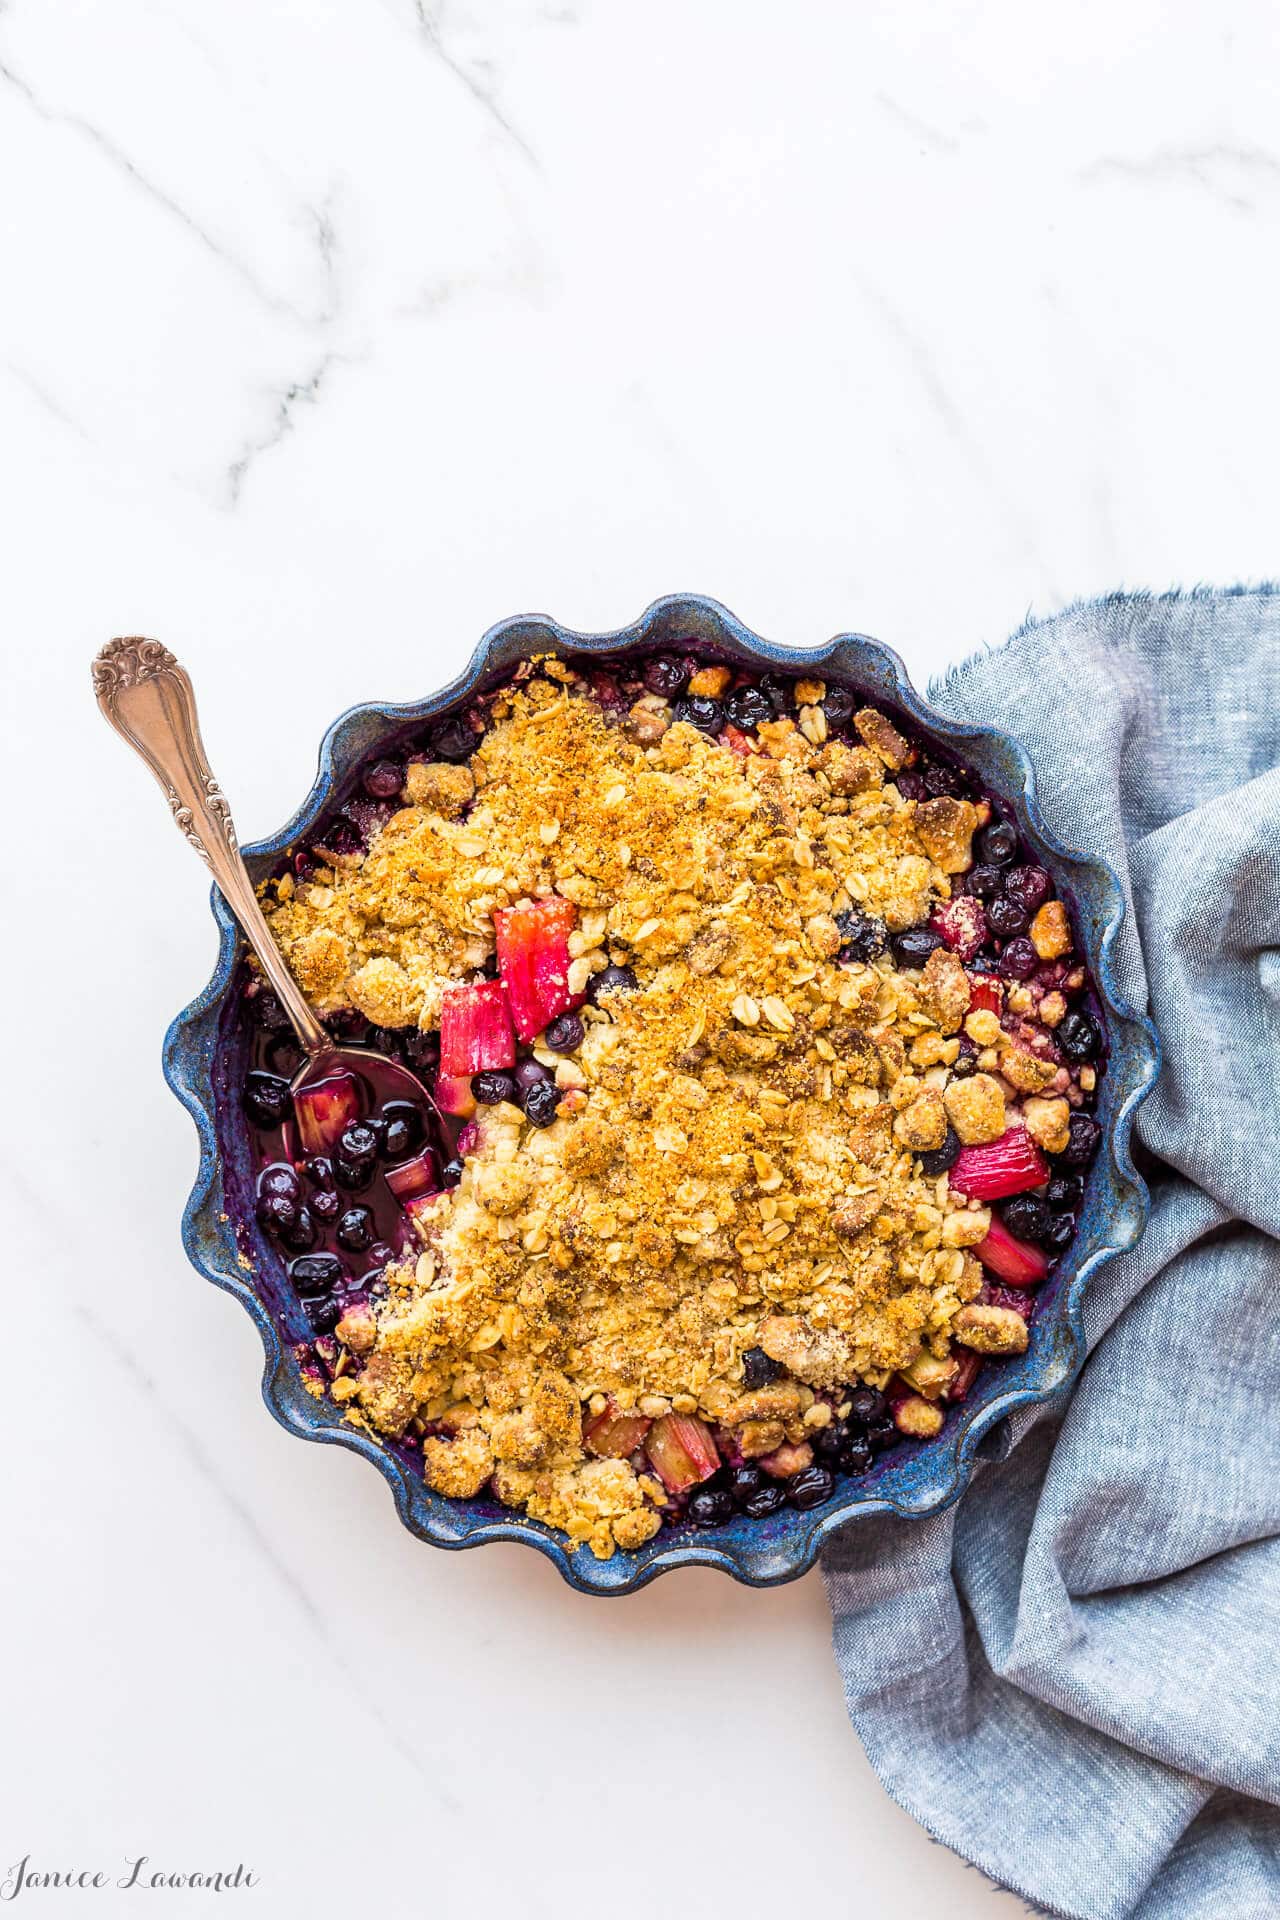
{"x": 467, "y": 1140}
{"x": 965, "y": 1375}
{"x": 985, "y": 994}
{"x": 614, "y": 1435}
{"x": 962, "y": 924}
{"x": 420, "y": 1212}
{"x": 533, "y": 958}
{"x": 1016, "y": 1298}
{"x": 475, "y": 1030}
{"x": 1011, "y": 1164}
{"x": 452, "y": 1092}
{"x": 416, "y": 1176}
{"x": 743, "y": 744}
{"x": 1017, "y": 1262}
{"x": 323, "y": 1108}
{"x": 681, "y": 1451}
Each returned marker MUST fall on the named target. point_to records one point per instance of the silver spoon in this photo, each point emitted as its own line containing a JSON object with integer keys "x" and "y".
{"x": 147, "y": 698}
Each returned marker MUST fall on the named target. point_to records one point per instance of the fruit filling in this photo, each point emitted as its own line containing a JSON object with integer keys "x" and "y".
{"x": 759, "y": 1066}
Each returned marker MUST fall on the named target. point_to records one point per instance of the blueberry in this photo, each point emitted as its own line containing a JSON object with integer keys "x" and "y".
{"x": 1079, "y": 1036}
{"x": 1019, "y": 959}
{"x": 831, "y": 1441}
{"x": 540, "y": 1103}
{"x": 279, "y": 1177}
{"x": 1029, "y": 886}
{"x": 326, "y": 1206}
{"x": 985, "y": 882}
{"x": 747, "y": 707}
{"x": 304, "y": 1232}
{"x": 912, "y": 948}
{"x": 863, "y": 935}
{"x": 941, "y": 1159}
{"x": 266, "y": 1011}
{"x": 341, "y": 836}
{"x": 380, "y": 1255}
{"x": 810, "y": 1487}
{"x": 358, "y": 1143}
{"x": 1061, "y": 1231}
{"x": 611, "y": 980}
{"x": 323, "y": 1312}
{"x": 704, "y": 714}
{"x": 355, "y": 1230}
{"x": 530, "y": 1073}
{"x": 1083, "y": 1142}
{"x": 383, "y": 780}
{"x": 1026, "y": 1217}
{"x": 349, "y": 1025}
{"x": 319, "y": 1171}
{"x": 388, "y": 1041}
{"x": 665, "y": 675}
{"x": 866, "y": 1406}
{"x": 404, "y": 1129}
{"x": 838, "y": 706}
{"x": 881, "y": 1434}
{"x": 283, "y": 1055}
{"x": 745, "y": 1480}
{"x": 276, "y": 1213}
{"x": 758, "y": 1370}
{"x": 353, "y": 1175}
{"x": 1006, "y": 917}
{"x": 316, "y": 1273}
{"x": 910, "y": 784}
{"x": 1065, "y": 1192}
{"x": 997, "y": 844}
{"x": 766, "y": 1500}
{"x": 856, "y": 1457}
{"x": 451, "y": 1172}
{"x": 941, "y": 780}
{"x": 710, "y": 1507}
{"x": 266, "y": 1098}
{"x": 453, "y": 740}
{"x": 422, "y": 1051}
{"x": 778, "y": 691}
{"x": 493, "y": 1086}
{"x": 967, "y": 1058}
{"x": 565, "y": 1033}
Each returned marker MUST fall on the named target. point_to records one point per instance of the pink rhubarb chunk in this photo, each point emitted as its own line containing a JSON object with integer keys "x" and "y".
{"x": 414, "y": 1177}
{"x": 614, "y": 1435}
{"x": 452, "y": 1094}
{"x": 1011, "y": 1164}
{"x": 323, "y": 1108}
{"x": 533, "y": 959}
{"x": 681, "y": 1451}
{"x": 1017, "y": 1262}
{"x": 475, "y": 1030}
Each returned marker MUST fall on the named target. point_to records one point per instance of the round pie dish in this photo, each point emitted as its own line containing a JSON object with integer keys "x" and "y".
{"x": 205, "y": 1060}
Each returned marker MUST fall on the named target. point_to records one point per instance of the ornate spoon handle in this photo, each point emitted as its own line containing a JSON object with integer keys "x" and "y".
{"x": 147, "y": 697}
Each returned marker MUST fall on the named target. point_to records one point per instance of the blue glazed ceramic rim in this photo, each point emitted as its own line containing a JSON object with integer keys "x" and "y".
{"x": 223, "y": 1244}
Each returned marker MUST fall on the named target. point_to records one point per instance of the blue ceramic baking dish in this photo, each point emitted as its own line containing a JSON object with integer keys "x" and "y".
{"x": 203, "y": 1063}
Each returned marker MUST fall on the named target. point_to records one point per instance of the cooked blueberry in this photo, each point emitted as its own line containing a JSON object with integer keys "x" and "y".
{"x": 453, "y": 740}
{"x": 1026, "y": 1217}
{"x": 380, "y": 1255}
{"x": 611, "y": 980}
{"x": 276, "y": 1212}
{"x": 967, "y": 1058}
{"x": 985, "y": 882}
{"x": 565, "y": 1033}
{"x": 745, "y": 1480}
{"x": 881, "y": 1434}
{"x": 665, "y": 675}
{"x": 700, "y": 712}
{"x": 383, "y": 780}
{"x": 1065, "y": 1192}
{"x": 530, "y": 1073}
{"x": 266, "y": 1098}
{"x": 279, "y": 1177}
{"x": 764, "y": 1501}
{"x": 997, "y": 844}
{"x": 1079, "y": 1036}
{"x": 348, "y": 1024}
{"x": 355, "y": 1230}
{"x": 304, "y": 1232}
{"x": 912, "y": 948}
{"x": 342, "y": 836}
{"x": 830, "y": 1441}
{"x": 746, "y": 707}
{"x": 810, "y": 1487}
{"x": 1083, "y": 1142}
{"x": 758, "y": 1370}
{"x": 353, "y": 1175}
{"x": 1006, "y": 917}
{"x": 941, "y": 1159}
{"x": 451, "y": 1172}
{"x": 316, "y": 1273}
{"x": 540, "y": 1103}
{"x": 403, "y": 1128}
{"x": 856, "y": 1457}
{"x": 323, "y": 1312}
{"x": 388, "y": 1041}
{"x": 863, "y": 935}
{"x": 778, "y": 690}
{"x": 866, "y": 1405}
{"x": 838, "y": 706}
{"x": 910, "y": 784}
{"x": 266, "y": 1011}
{"x": 422, "y": 1051}
{"x": 283, "y": 1055}
{"x": 1060, "y": 1232}
{"x": 1019, "y": 959}
{"x": 710, "y": 1507}
{"x": 940, "y": 780}
{"x": 319, "y": 1170}
{"x": 1029, "y": 886}
{"x": 358, "y": 1142}
{"x": 326, "y": 1205}
{"x": 493, "y": 1085}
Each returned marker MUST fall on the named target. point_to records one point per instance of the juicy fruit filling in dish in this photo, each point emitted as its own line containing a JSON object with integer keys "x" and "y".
{"x": 763, "y": 1062}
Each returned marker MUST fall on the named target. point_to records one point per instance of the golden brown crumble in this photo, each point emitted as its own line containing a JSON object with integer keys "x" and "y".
{"x": 734, "y": 1162}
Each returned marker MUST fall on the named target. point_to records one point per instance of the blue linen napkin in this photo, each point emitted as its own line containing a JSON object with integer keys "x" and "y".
{"x": 1072, "y": 1678}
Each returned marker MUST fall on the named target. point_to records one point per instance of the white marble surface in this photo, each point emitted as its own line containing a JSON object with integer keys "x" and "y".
{"x": 331, "y": 332}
